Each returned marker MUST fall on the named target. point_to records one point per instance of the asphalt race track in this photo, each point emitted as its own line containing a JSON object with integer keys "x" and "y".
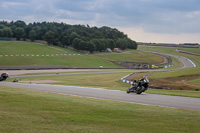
{"x": 144, "y": 98}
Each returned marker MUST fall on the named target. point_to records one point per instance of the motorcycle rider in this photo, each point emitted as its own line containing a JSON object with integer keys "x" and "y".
{"x": 139, "y": 85}
{"x": 140, "y": 81}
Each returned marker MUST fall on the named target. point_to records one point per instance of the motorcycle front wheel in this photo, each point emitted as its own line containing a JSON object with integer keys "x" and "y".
{"x": 129, "y": 90}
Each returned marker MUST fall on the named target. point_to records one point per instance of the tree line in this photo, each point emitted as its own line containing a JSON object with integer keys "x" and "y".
{"x": 189, "y": 44}
{"x": 80, "y": 37}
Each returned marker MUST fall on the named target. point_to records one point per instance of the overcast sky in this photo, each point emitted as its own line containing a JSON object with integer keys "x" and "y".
{"x": 165, "y": 21}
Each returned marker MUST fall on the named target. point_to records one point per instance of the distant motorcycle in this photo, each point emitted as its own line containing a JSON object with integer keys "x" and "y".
{"x": 3, "y": 76}
{"x": 139, "y": 86}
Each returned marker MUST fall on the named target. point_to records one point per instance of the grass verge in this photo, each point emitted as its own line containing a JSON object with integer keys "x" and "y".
{"x": 31, "y": 111}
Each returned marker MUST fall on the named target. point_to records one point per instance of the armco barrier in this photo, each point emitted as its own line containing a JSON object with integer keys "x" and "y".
{"x": 126, "y": 81}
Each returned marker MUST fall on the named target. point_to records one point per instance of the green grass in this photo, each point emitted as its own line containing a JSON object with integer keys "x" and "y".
{"x": 133, "y": 56}
{"x": 193, "y": 50}
{"x": 4, "y": 43}
{"x": 195, "y": 81}
{"x": 64, "y": 49}
{"x": 177, "y": 73}
{"x": 80, "y": 61}
{"x": 31, "y": 111}
{"x": 13, "y": 48}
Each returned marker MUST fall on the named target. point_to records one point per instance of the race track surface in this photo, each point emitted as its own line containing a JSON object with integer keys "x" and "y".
{"x": 122, "y": 96}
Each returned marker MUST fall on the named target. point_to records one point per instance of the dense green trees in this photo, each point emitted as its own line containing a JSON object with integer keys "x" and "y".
{"x": 7, "y": 32}
{"x": 19, "y": 32}
{"x": 80, "y": 37}
{"x": 32, "y": 35}
{"x": 49, "y": 37}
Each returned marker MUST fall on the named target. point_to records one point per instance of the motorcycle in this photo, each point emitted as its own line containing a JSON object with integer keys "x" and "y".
{"x": 139, "y": 86}
{"x": 3, "y": 76}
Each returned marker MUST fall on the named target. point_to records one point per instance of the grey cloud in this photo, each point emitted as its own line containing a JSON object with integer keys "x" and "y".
{"x": 159, "y": 16}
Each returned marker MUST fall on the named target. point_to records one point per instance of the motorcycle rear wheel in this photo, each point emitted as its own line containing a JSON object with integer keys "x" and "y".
{"x": 141, "y": 90}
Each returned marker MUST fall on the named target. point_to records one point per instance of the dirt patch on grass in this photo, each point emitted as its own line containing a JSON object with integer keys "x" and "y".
{"x": 174, "y": 83}
{"x": 136, "y": 76}
{"x": 40, "y": 81}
